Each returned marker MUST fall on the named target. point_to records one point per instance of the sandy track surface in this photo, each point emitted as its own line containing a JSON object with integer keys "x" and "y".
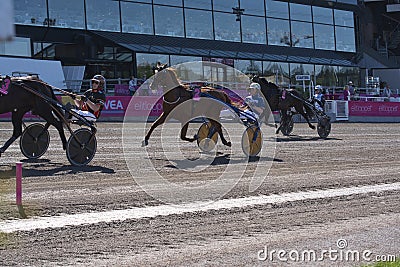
{"x": 354, "y": 155}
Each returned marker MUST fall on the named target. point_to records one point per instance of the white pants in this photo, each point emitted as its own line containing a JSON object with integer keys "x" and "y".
{"x": 251, "y": 113}
{"x": 86, "y": 114}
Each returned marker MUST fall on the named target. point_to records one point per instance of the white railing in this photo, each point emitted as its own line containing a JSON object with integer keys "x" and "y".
{"x": 338, "y": 107}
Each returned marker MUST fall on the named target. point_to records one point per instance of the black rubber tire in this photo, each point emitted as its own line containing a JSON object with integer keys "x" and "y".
{"x": 324, "y": 127}
{"x": 287, "y": 126}
{"x": 34, "y": 141}
{"x": 203, "y": 142}
{"x": 250, "y": 146}
{"x": 80, "y": 153}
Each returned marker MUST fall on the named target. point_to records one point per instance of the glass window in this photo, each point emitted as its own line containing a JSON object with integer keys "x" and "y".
{"x": 344, "y": 18}
{"x": 351, "y": 2}
{"x": 137, "y": 18}
{"x": 322, "y": 15}
{"x": 146, "y": 62}
{"x": 278, "y": 32}
{"x": 300, "y": 69}
{"x": 300, "y": 12}
{"x": 248, "y": 66}
{"x": 345, "y": 39}
{"x": 277, "y": 72}
{"x": 225, "y": 5}
{"x": 226, "y": 27}
{"x": 276, "y": 9}
{"x": 302, "y": 34}
{"x": 32, "y": 12}
{"x": 198, "y": 24}
{"x": 19, "y": 46}
{"x": 168, "y": 2}
{"x": 253, "y": 30}
{"x": 324, "y": 37}
{"x": 102, "y": 15}
{"x": 67, "y": 14}
{"x": 175, "y": 60}
{"x": 326, "y": 76}
{"x": 141, "y": 1}
{"x": 346, "y": 74}
{"x": 253, "y": 7}
{"x": 203, "y": 4}
{"x": 168, "y": 21}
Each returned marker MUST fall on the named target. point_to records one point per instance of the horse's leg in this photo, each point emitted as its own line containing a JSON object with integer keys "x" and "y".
{"x": 17, "y": 128}
{"x": 184, "y": 132}
{"x": 218, "y": 127}
{"x": 284, "y": 115}
{"x": 300, "y": 110}
{"x": 159, "y": 121}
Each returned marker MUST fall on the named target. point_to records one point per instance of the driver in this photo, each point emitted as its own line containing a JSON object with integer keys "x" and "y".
{"x": 254, "y": 100}
{"x": 319, "y": 98}
{"x": 91, "y": 103}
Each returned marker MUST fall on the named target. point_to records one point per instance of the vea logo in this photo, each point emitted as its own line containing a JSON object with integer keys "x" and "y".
{"x": 113, "y": 105}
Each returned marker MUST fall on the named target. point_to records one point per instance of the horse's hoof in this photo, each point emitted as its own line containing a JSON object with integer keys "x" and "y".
{"x": 312, "y": 127}
{"x": 145, "y": 143}
{"x": 195, "y": 137}
{"x": 228, "y": 144}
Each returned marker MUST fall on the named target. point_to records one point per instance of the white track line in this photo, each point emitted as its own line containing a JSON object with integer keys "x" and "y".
{"x": 59, "y": 221}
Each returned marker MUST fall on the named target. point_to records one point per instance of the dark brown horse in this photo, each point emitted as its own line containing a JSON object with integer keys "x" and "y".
{"x": 283, "y": 100}
{"x": 21, "y": 95}
{"x": 176, "y": 93}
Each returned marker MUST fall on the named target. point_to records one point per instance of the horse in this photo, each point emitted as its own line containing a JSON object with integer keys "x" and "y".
{"x": 283, "y": 101}
{"x": 176, "y": 93}
{"x": 20, "y": 95}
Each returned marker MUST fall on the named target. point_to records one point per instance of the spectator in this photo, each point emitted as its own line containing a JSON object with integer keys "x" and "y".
{"x": 351, "y": 90}
{"x": 346, "y": 93}
{"x": 386, "y": 91}
{"x": 132, "y": 85}
{"x": 145, "y": 86}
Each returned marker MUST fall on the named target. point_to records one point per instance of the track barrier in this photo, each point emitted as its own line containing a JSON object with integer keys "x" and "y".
{"x": 18, "y": 189}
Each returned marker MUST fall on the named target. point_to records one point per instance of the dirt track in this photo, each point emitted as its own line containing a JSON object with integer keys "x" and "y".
{"x": 353, "y": 155}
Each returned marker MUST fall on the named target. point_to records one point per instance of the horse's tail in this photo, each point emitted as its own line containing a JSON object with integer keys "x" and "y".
{"x": 49, "y": 88}
{"x": 309, "y": 111}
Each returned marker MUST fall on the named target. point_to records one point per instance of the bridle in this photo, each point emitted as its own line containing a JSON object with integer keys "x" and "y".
{"x": 157, "y": 70}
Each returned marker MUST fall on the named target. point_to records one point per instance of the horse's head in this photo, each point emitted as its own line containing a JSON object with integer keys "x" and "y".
{"x": 255, "y": 78}
{"x": 159, "y": 67}
{"x": 165, "y": 78}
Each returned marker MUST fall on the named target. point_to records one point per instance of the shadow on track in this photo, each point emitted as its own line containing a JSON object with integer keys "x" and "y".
{"x": 296, "y": 138}
{"x": 223, "y": 159}
{"x": 44, "y": 167}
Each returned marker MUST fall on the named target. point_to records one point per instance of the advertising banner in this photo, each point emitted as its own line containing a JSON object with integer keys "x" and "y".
{"x": 374, "y": 109}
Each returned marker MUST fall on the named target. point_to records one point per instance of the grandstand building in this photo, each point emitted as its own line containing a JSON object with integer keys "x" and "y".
{"x": 332, "y": 41}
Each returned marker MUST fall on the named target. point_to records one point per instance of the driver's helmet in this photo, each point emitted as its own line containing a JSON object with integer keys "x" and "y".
{"x": 100, "y": 79}
{"x": 318, "y": 87}
{"x": 255, "y": 86}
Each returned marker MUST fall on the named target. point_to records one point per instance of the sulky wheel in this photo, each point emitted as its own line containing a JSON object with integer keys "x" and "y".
{"x": 206, "y": 142}
{"x": 34, "y": 141}
{"x": 81, "y": 147}
{"x": 287, "y": 126}
{"x": 324, "y": 127}
{"x": 252, "y": 141}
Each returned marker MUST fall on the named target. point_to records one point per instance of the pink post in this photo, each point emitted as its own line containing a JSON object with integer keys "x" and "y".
{"x": 18, "y": 173}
